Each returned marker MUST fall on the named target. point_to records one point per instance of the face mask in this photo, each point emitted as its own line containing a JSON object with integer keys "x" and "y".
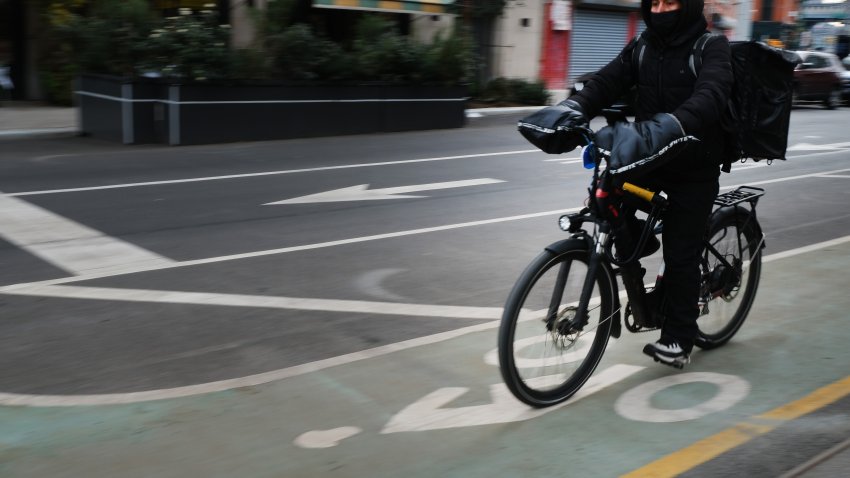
{"x": 665, "y": 23}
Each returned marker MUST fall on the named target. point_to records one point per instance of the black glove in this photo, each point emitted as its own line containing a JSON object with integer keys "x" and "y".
{"x": 555, "y": 129}
{"x": 636, "y": 148}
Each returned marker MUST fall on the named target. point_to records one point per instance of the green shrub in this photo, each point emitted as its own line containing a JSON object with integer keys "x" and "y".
{"x": 102, "y": 36}
{"x": 378, "y": 53}
{"x": 297, "y": 54}
{"x": 514, "y": 91}
{"x": 449, "y": 60}
{"x": 191, "y": 45}
{"x": 530, "y": 93}
{"x": 112, "y": 37}
{"x": 125, "y": 38}
{"x": 248, "y": 63}
{"x": 381, "y": 54}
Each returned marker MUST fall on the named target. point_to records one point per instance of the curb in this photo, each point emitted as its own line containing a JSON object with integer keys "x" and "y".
{"x": 480, "y": 112}
{"x": 37, "y": 132}
{"x": 46, "y": 132}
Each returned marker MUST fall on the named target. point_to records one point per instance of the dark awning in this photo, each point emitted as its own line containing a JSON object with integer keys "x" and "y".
{"x": 426, "y": 7}
{"x": 613, "y": 4}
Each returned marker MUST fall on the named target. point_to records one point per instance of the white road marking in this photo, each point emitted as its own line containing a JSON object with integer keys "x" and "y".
{"x": 815, "y": 155}
{"x": 26, "y": 400}
{"x": 831, "y": 149}
{"x": 14, "y": 399}
{"x": 636, "y": 404}
{"x": 371, "y": 284}
{"x": 362, "y": 192}
{"x": 817, "y": 147}
{"x": 272, "y": 173}
{"x": 69, "y": 245}
{"x": 430, "y": 412}
{"x": 802, "y": 250}
{"x": 41, "y": 400}
{"x": 305, "y": 247}
{"x": 748, "y": 165}
{"x": 841, "y": 176}
{"x": 326, "y": 438}
{"x": 786, "y": 178}
{"x": 258, "y": 301}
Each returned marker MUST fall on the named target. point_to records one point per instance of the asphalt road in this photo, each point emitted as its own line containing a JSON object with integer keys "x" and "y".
{"x": 161, "y": 317}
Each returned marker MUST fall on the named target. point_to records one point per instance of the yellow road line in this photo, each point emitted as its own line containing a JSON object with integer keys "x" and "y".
{"x": 719, "y": 443}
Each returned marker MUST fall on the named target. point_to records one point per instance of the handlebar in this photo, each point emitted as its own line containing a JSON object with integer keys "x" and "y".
{"x": 645, "y": 194}
{"x": 591, "y": 159}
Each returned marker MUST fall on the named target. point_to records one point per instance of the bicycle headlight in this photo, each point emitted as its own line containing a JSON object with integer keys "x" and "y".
{"x": 564, "y": 223}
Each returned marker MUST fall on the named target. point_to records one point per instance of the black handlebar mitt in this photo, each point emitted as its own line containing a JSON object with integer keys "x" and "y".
{"x": 633, "y": 149}
{"x": 555, "y": 129}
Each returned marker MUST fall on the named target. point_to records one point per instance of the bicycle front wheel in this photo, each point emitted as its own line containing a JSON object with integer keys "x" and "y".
{"x": 731, "y": 270}
{"x": 543, "y": 359}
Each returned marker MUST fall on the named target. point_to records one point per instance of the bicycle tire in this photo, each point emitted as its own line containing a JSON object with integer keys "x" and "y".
{"x": 527, "y": 346}
{"x": 727, "y": 305}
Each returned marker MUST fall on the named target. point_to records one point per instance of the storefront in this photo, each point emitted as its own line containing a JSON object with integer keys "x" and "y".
{"x": 599, "y": 33}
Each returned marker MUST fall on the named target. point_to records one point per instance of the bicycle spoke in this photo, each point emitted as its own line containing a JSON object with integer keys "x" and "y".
{"x": 731, "y": 269}
{"x": 545, "y": 354}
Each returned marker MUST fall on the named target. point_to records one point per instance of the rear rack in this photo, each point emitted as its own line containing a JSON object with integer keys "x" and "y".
{"x": 737, "y": 196}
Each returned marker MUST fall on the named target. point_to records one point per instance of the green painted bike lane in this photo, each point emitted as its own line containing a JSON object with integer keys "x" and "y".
{"x": 439, "y": 409}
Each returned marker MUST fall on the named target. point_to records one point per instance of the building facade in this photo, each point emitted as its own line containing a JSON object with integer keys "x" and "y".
{"x": 552, "y": 40}
{"x": 560, "y": 40}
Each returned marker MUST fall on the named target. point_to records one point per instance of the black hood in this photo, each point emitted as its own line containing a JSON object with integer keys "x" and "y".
{"x": 691, "y": 22}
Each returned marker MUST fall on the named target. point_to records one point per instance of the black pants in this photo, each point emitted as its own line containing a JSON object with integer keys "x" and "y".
{"x": 689, "y": 205}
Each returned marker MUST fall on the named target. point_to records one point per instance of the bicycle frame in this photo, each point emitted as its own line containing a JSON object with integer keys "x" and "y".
{"x": 604, "y": 214}
{"x": 574, "y": 282}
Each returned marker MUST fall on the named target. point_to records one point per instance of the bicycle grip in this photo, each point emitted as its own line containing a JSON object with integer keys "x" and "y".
{"x": 638, "y": 191}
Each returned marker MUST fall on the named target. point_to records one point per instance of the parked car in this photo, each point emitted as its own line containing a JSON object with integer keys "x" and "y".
{"x": 845, "y": 81}
{"x": 626, "y": 103}
{"x": 818, "y": 78}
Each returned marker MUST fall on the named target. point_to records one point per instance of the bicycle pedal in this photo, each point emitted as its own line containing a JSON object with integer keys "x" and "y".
{"x": 675, "y": 364}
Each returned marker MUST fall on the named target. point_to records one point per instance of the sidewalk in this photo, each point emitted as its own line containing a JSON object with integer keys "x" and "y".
{"x": 23, "y": 119}
{"x": 20, "y": 119}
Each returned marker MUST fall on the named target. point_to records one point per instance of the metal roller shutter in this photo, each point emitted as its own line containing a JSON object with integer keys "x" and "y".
{"x": 597, "y": 37}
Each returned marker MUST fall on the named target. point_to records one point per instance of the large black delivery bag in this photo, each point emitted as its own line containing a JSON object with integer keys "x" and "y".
{"x": 759, "y": 112}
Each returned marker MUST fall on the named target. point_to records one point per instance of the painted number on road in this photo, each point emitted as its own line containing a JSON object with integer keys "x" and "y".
{"x": 636, "y": 404}
{"x": 432, "y": 413}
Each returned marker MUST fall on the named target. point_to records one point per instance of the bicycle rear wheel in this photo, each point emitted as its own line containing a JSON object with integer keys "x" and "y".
{"x": 731, "y": 269}
{"x": 544, "y": 362}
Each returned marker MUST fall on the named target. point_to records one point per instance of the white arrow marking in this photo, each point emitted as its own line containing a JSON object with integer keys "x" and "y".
{"x": 363, "y": 193}
{"x": 429, "y": 413}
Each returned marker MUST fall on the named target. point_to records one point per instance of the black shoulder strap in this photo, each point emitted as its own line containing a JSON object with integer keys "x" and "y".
{"x": 695, "y": 62}
{"x": 637, "y": 54}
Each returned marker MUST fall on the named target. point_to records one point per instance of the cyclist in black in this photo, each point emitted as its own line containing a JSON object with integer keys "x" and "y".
{"x": 675, "y": 106}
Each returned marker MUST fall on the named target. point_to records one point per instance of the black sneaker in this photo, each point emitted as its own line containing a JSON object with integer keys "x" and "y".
{"x": 668, "y": 352}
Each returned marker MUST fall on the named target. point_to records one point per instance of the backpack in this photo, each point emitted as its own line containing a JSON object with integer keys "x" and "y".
{"x": 758, "y": 113}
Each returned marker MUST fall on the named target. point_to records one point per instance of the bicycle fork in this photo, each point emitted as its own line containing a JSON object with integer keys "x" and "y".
{"x": 596, "y": 255}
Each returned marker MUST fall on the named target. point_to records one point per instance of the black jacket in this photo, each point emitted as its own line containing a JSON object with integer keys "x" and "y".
{"x": 666, "y": 84}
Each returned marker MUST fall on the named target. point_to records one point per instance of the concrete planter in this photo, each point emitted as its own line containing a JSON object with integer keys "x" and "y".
{"x": 155, "y": 111}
